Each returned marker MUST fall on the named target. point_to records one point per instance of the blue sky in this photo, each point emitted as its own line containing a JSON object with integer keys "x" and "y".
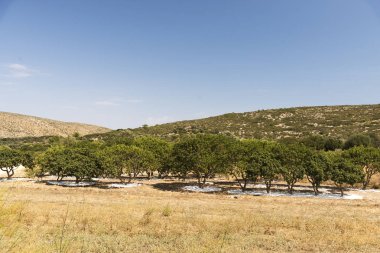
{"x": 125, "y": 63}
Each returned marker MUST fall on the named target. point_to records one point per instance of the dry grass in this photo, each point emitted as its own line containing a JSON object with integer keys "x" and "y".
{"x": 14, "y": 125}
{"x": 39, "y": 218}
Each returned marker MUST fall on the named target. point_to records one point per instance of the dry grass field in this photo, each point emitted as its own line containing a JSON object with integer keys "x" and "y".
{"x": 35, "y": 217}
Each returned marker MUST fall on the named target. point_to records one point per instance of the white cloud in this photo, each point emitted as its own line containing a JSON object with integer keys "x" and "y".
{"x": 19, "y": 71}
{"x": 151, "y": 121}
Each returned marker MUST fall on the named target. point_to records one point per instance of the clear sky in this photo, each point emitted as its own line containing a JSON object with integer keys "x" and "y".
{"x": 124, "y": 63}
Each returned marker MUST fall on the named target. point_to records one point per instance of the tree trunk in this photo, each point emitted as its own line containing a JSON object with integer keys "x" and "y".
{"x": 245, "y": 184}
{"x": 368, "y": 175}
{"x": 290, "y": 188}
{"x": 243, "y": 187}
{"x": 10, "y": 172}
{"x": 268, "y": 185}
{"x": 204, "y": 181}
{"x": 315, "y": 188}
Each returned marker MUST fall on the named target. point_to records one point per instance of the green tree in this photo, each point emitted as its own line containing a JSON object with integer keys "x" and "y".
{"x": 317, "y": 169}
{"x": 9, "y": 160}
{"x": 254, "y": 159}
{"x": 83, "y": 164}
{"x": 343, "y": 171}
{"x": 54, "y": 161}
{"x": 332, "y": 144}
{"x": 293, "y": 164}
{"x": 78, "y": 162}
{"x": 246, "y": 158}
{"x": 270, "y": 165}
{"x": 314, "y": 141}
{"x": 184, "y": 156}
{"x": 140, "y": 160}
{"x": 159, "y": 148}
{"x": 203, "y": 155}
{"x": 358, "y": 140}
{"x": 113, "y": 160}
{"x": 120, "y": 160}
{"x": 366, "y": 157}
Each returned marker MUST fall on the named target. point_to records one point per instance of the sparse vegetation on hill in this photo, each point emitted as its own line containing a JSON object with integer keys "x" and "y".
{"x": 334, "y": 121}
{"x": 16, "y": 125}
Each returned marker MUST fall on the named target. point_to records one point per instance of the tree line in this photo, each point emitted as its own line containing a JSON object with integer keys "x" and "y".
{"x": 204, "y": 156}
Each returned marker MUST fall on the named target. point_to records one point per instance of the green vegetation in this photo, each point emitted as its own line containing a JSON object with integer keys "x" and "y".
{"x": 345, "y": 172}
{"x": 78, "y": 162}
{"x": 202, "y": 156}
{"x": 337, "y": 143}
{"x": 317, "y": 169}
{"x": 335, "y": 122}
{"x": 9, "y": 159}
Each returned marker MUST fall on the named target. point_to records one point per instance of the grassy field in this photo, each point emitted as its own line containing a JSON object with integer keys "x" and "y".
{"x": 35, "y": 217}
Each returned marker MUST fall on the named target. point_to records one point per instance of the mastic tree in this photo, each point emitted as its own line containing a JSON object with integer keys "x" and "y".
{"x": 213, "y": 156}
{"x": 203, "y": 155}
{"x": 358, "y": 140}
{"x": 367, "y": 158}
{"x": 314, "y": 141}
{"x": 319, "y": 142}
{"x": 332, "y": 144}
{"x": 270, "y": 165}
{"x": 184, "y": 156}
{"x": 254, "y": 159}
{"x": 121, "y": 160}
{"x": 140, "y": 160}
{"x": 113, "y": 160}
{"x": 293, "y": 164}
{"x": 317, "y": 169}
{"x": 54, "y": 162}
{"x": 159, "y": 148}
{"x": 81, "y": 163}
{"x": 343, "y": 171}
{"x": 245, "y": 156}
{"x": 9, "y": 160}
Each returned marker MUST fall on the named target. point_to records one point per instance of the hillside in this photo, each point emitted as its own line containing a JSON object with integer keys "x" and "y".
{"x": 16, "y": 125}
{"x": 335, "y": 121}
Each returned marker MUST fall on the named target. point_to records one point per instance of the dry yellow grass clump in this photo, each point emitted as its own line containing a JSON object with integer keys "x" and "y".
{"x": 35, "y": 217}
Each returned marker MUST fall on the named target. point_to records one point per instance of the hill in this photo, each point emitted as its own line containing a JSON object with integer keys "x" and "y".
{"x": 16, "y": 125}
{"x": 334, "y": 121}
